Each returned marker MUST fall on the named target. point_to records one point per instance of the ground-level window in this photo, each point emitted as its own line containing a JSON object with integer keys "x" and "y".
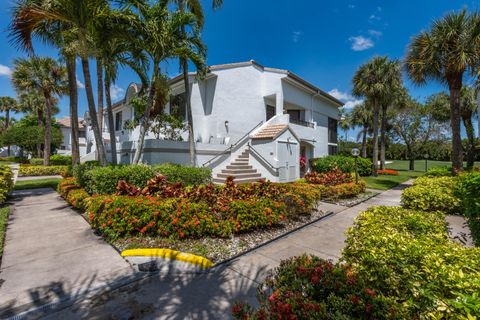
{"x": 332, "y": 130}
{"x": 118, "y": 121}
{"x": 81, "y": 134}
{"x": 270, "y": 112}
{"x": 332, "y": 150}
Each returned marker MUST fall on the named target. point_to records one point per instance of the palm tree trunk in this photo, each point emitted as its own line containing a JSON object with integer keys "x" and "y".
{"x": 375, "y": 139}
{"x": 73, "y": 93}
{"x": 364, "y": 142}
{"x": 93, "y": 112}
{"x": 383, "y": 130}
{"x": 111, "y": 129}
{"x": 100, "y": 94}
{"x": 48, "y": 129}
{"x": 457, "y": 152}
{"x": 191, "y": 137}
{"x": 40, "y": 124}
{"x": 467, "y": 121}
{"x": 7, "y": 122}
{"x": 146, "y": 116}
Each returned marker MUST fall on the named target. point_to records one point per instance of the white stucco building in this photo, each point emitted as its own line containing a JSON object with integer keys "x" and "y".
{"x": 250, "y": 121}
{"x": 66, "y": 145}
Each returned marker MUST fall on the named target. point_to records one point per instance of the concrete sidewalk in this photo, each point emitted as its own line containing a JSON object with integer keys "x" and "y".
{"x": 211, "y": 295}
{"x": 51, "y": 254}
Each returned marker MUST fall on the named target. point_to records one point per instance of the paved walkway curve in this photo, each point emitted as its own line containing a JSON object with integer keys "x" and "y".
{"x": 211, "y": 295}
{"x": 51, "y": 254}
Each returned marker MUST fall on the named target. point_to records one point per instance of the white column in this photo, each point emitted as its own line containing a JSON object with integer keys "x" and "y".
{"x": 279, "y": 102}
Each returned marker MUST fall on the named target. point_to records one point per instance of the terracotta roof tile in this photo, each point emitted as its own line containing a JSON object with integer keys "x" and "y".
{"x": 270, "y": 131}
{"x": 65, "y": 122}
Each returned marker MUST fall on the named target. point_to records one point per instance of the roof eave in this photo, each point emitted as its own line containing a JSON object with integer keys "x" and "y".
{"x": 317, "y": 90}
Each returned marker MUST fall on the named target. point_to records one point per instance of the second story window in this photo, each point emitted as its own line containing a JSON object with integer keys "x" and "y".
{"x": 178, "y": 106}
{"x": 118, "y": 121}
{"x": 332, "y": 130}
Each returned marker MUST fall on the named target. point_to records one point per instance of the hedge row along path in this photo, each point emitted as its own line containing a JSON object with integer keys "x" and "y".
{"x": 76, "y": 260}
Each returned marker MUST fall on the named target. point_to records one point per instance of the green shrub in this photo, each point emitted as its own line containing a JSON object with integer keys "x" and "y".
{"x": 365, "y": 166}
{"x": 59, "y": 159}
{"x": 6, "y": 182}
{"x": 308, "y": 287}
{"x": 329, "y": 163}
{"x": 29, "y": 170}
{"x": 439, "y": 172}
{"x": 186, "y": 175}
{"x": 76, "y": 197}
{"x": 36, "y": 161}
{"x": 104, "y": 180}
{"x": 468, "y": 190}
{"x": 79, "y": 170}
{"x": 432, "y": 194}
{"x": 406, "y": 255}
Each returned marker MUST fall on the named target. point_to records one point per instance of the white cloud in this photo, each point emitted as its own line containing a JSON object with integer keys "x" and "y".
{"x": 375, "y": 33}
{"x": 5, "y": 71}
{"x": 345, "y": 97}
{"x": 80, "y": 85}
{"x": 351, "y": 6}
{"x": 116, "y": 92}
{"x": 360, "y": 43}
{"x": 296, "y": 36}
{"x": 374, "y": 17}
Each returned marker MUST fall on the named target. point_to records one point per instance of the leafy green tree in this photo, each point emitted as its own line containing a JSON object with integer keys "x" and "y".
{"x": 468, "y": 108}
{"x": 27, "y": 135}
{"x": 45, "y": 75}
{"x": 446, "y": 53}
{"x": 376, "y": 80}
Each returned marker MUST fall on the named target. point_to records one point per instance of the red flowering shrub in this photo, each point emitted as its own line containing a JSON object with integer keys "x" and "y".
{"x": 76, "y": 198}
{"x": 308, "y": 287}
{"x": 66, "y": 185}
{"x": 117, "y": 216}
{"x": 330, "y": 178}
{"x": 388, "y": 172}
{"x": 344, "y": 190}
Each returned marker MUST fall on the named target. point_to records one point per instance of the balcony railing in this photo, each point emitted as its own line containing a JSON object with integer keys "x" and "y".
{"x": 302, "y": 123}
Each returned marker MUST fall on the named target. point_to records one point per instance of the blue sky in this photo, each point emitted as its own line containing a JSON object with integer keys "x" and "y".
{"x": 322, "y": 41}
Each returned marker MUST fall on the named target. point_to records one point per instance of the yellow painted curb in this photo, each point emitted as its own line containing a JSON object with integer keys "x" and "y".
{"x": 170, "y": 254}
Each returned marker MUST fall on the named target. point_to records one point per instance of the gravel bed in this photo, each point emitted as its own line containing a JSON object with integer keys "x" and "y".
{"x": 220, "y": 249}
{"x": 353, "y": 201}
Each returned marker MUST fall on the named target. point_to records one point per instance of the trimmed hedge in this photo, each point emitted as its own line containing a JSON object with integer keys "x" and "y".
{"x": 432, "y": 194}
{"x": 468, "y": 190}
{"x": 365, "y": 166}
{"x": 406, "y": 255}
{"x": 59, "y": 160}
{"x": 79, "y": 170}
{"x": 104, "y": 180}
{"x": 439, "y": 172}
{"x": 6, "y": 182}
{"x": 343, "y": 191}
{"x": 330, "y": 163}
{"x": 184, "y": 174}
{"x": 29, "y": 170}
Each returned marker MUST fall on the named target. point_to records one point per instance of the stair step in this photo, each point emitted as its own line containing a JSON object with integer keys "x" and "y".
{"x": 236, "y": 171}
{"x": 240, "y": 175}
{"x": 239, "y": 166}
{"x": 239, "y": 181}
{"x": 241, "y": 159}
{"x": 243, "y": 156}
{"x": 239, "y": 163}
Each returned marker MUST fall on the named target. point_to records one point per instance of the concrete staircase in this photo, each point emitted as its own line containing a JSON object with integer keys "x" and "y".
{"x": 240, "y": 169}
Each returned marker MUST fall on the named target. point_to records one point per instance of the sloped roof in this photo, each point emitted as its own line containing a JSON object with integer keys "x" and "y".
{"x": 270, "y": 131}
{"x": 65, "y": 122}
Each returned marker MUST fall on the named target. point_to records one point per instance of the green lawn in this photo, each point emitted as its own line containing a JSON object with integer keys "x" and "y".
{"x": 40, "y": 183}
{"x": 384, "y": 182}
{"x": 3, "y": 226}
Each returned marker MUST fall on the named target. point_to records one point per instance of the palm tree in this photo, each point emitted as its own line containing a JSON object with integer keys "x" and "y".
{"x": 375, "y": 80}
{"x": 446, "y": 53}
{"x": 8, "y": 104}
{"x": 361, "y": 115}
{"x": 468, "y": 107}
{"x": 69, "y": 25}
{"x": 158, "y": 32}
{"x": 47, "y": 76}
